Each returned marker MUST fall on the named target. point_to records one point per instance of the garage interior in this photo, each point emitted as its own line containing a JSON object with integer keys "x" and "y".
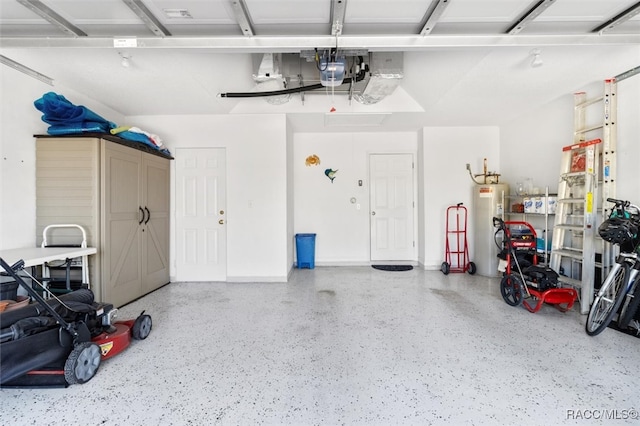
{"x": 300, "y": 103}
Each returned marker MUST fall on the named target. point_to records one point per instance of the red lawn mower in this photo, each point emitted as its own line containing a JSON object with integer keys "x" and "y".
{"x": 60, "y": 341}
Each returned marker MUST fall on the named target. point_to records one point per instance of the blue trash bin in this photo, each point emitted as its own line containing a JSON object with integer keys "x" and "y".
{"x": 306, "y": 250}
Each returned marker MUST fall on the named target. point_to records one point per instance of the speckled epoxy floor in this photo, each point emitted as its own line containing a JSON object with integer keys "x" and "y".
{"x": 352, "y": 346}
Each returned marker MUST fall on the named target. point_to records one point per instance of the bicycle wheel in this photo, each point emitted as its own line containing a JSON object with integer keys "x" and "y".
{"x": 608, "y": 300}
{"x": 512, "y": 289}
{"x": 629, "y": 308}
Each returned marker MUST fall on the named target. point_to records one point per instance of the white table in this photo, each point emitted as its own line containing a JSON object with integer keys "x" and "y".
{"x": 34, "y": 256}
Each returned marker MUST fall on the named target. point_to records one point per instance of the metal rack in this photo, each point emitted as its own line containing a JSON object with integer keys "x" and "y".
{"x": 535, "y": 215}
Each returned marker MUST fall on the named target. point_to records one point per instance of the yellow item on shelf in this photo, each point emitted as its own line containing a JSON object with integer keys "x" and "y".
{"x": 119, "y": 129}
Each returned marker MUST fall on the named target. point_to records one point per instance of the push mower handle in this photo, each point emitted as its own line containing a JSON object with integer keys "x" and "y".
{"x": 19, "y": 265}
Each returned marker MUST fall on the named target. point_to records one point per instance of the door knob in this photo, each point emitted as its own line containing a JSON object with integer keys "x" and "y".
{"x": 373, "y": 213}
{"x": 221, "y": 221}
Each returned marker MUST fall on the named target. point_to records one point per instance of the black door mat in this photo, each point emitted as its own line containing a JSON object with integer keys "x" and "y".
{"x": 393, "y": 267}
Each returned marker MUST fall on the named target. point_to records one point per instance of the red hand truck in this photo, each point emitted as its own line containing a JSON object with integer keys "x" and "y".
{"x": 456, "y": 246}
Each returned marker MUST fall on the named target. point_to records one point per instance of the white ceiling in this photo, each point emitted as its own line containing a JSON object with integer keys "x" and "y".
{"x": 461, "y": 66}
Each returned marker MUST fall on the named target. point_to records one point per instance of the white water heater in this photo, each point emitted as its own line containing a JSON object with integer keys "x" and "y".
{"x": 488, "y": 202}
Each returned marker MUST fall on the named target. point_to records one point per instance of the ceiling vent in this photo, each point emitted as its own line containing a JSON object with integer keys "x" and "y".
{"x": 270, "y": 79}
{"x": 386, "y": 73}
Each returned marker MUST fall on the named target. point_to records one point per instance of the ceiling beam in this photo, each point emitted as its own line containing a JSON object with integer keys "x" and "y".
{"x": 274, "y": 44}
{"x": 618, "y": 19}
{"x": 25, "y": 70}
{"x": 433, "y": 15}
{"x": 147, "y": 17}
{"x": 627, "y": 74}
{"x": 52, "y": 17}
{"x": 532, "y": 13}
{"x": 242, "y": 17}
{"x": 338, "y": 11}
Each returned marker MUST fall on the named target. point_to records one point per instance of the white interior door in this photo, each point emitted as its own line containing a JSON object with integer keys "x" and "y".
{"x": 392, "y": 207}
{"x": 201, "y": 235}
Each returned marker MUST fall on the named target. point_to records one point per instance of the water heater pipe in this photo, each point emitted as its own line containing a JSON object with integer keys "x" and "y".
{"x": 485, "y": 175}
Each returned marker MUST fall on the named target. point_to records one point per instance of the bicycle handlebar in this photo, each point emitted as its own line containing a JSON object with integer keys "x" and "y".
{"x": 622, "y": 206}
{"x": 618, "y": 202}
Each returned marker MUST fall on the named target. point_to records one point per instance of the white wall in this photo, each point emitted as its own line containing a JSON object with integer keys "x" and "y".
{"x": 628, "y": 157}
{"x": 19, "y": 121}
{"x": 446, "y": 181}
{"x": 421, "y": 199}
{"x": 257, "y": 214}
{"x": 324, "y": 208}
{"x": 441, "y": 154}
{"x": 532, "y": 145}
{"x": 290, "y": 197}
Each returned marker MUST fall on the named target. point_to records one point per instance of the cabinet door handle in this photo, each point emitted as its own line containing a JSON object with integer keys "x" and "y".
{"x": 141, "y": 211}
{"x": 148, "y": 215}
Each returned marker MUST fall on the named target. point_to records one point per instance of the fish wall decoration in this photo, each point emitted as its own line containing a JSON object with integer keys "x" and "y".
{"x": 331, "y": 174}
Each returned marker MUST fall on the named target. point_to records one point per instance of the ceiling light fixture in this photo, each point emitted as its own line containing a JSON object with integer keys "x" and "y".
{"x": 177, "y": 13}
{"x": 536, "y": 60}
{"x": 126, "y": 59}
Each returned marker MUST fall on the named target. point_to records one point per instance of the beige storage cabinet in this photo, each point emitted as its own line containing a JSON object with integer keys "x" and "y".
{"x": 119, "y": 192}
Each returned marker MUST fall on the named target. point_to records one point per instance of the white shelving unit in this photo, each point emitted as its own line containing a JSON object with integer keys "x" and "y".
{"x": 538, "y": 217}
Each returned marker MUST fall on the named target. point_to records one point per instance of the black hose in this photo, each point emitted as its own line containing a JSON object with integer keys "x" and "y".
{"x": 272, "y": 92}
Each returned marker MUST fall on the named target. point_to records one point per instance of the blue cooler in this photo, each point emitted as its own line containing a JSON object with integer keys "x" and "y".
{"x": 306, "y": 250}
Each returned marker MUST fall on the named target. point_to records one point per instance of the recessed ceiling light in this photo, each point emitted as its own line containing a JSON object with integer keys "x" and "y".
{"x": 536, "y": 59}
{"x": 177, "y": 13}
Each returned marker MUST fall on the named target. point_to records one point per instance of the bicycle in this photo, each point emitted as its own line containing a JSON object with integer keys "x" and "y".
{"x": 620, "y": 288}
